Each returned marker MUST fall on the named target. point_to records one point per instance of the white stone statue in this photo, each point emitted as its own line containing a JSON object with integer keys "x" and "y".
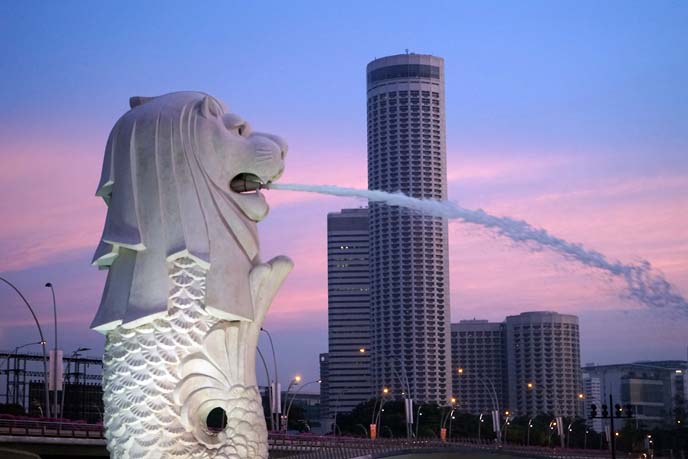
{"x": 186, "y": 292}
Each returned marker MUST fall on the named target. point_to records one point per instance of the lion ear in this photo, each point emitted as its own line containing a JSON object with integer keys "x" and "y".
{"x": 138, "y": 100}
{"x": 210, "y": 107}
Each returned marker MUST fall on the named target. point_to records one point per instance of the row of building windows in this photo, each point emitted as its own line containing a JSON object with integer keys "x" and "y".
{"x": 412, "y": 93}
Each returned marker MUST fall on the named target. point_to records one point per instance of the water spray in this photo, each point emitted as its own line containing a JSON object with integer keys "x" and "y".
{"x": 643, "y": 283}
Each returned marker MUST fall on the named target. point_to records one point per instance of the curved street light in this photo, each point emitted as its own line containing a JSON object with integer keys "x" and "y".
{"x": 16, "y": 349}
{"x": 64, "y": 383}
{"x": 295, "y": 381}
{"x": 408, "y": 399}
{"x": 419, "y": 413}
{"x": 275, "y": 386}
{"x": 54, "y": 363}
{"x": 43, "y": 342}
{"x": 286, "y": 413}
{"x": 377, "y": 412}
{"x": 267, "y": 380}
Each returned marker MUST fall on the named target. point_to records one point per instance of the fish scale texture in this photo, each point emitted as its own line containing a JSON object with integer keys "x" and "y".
{"x": 144, "y": 367}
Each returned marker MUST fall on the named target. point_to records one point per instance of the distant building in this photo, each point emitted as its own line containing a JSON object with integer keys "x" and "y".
{"x": 543, "y": 361}
{"x": 345, "y": 369}
{"x": 656, "y": 390}
{"x": 409, "y": 265}
{"x": 592, "y": 393}
{"x": 479, "y": 365}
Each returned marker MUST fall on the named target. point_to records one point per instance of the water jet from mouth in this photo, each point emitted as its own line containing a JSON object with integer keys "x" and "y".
{"x": 245, "y": 183}
{"x": 644, "y": 284}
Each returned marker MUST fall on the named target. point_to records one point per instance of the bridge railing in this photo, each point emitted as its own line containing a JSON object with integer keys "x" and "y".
{"x": 312, "y": 447}
{"x": 40, "y": 428}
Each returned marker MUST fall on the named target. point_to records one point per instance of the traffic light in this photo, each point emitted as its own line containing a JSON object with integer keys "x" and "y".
{"x": 593, "y": 411}
{"x": 605, "y": 412}
{"x": 628, "y": 410}
{"x": 618, "y": 411}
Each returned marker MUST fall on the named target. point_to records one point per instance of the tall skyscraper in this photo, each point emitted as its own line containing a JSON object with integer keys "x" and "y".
{"x": 345, "y": 369}
{"x": 543, "y": 359}
{"x": 479, "y": 365}
{"x": 409, "y": 275}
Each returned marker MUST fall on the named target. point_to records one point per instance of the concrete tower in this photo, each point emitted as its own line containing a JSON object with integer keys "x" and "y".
{"x": 543, "y": 357}
{"x": 345, "y": 370}
{"x": 409, "y": 276}
{"x": 479, "y": 365}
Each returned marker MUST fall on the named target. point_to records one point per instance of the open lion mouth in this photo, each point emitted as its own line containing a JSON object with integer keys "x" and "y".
{"x": 246, "y": 183}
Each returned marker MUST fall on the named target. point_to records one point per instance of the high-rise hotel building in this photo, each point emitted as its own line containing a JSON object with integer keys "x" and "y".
{"x": 409, "y": 276}
{"x": 543, "y": 360}
{"x": 345, "y": 369}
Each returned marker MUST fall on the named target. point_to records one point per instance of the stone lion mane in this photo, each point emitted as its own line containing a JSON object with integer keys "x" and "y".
{"x": 162, "y": 205}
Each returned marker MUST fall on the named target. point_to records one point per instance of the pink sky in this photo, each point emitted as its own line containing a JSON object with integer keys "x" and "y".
{"x": 54, "y": 220}
{"x": 572, "y": 117}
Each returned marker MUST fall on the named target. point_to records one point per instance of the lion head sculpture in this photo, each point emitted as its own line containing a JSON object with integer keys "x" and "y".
{"x": 166, "y": 180}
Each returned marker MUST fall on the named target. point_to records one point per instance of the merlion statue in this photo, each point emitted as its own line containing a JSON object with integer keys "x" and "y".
{"x": 186, "y": 292}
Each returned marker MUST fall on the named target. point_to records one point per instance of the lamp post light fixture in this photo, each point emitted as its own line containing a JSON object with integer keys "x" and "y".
{"x": 43, "y": 342}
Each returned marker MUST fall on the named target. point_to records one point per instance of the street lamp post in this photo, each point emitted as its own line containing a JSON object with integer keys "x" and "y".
{"x": 506, "y": 425}
{"x": 275, "y": 387}
{"x": 408, "y": 399}
{"x": 530, "y": 426}
{"x": 64, "y": 384}
{"x": 492, "y": 392}
{"x": 418, "y": 415}
{"x": 445, "y": 417}
{"x": 269, "y": 383}
{"x": 552, "y": 425}
{"x": 7, "y": 363}
{"x": 377, "y": 412}
{"x": 55, "y": 363}
{"x": 295, "y": 381}
{"x": 480, "y": 423}
{"x": 43, "y": 342}
{"x": 286, "y": 413}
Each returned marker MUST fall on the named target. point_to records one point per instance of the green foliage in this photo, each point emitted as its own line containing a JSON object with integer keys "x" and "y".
{"x": 13, "y": 409}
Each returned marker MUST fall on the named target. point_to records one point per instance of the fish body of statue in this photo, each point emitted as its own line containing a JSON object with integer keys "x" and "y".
{"x": 186, "y": 292}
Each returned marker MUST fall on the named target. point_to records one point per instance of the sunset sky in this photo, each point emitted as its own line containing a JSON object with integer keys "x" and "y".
{"x": 570, "y": 115}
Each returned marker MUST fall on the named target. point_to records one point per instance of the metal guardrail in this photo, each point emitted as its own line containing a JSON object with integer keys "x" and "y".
{"x": 347, "y": 448}
{"x": 38, "y": 428}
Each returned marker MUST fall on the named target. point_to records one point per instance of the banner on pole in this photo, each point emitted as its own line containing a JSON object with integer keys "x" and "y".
{"x": 408, "y": 405}
{"x": 55, "y": 371}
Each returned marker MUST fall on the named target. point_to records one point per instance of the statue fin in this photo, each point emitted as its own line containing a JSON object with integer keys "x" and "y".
{"x": 138, "y": 100}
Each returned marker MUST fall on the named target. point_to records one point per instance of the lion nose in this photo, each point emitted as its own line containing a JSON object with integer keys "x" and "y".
{"x": 279, "y": 141}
